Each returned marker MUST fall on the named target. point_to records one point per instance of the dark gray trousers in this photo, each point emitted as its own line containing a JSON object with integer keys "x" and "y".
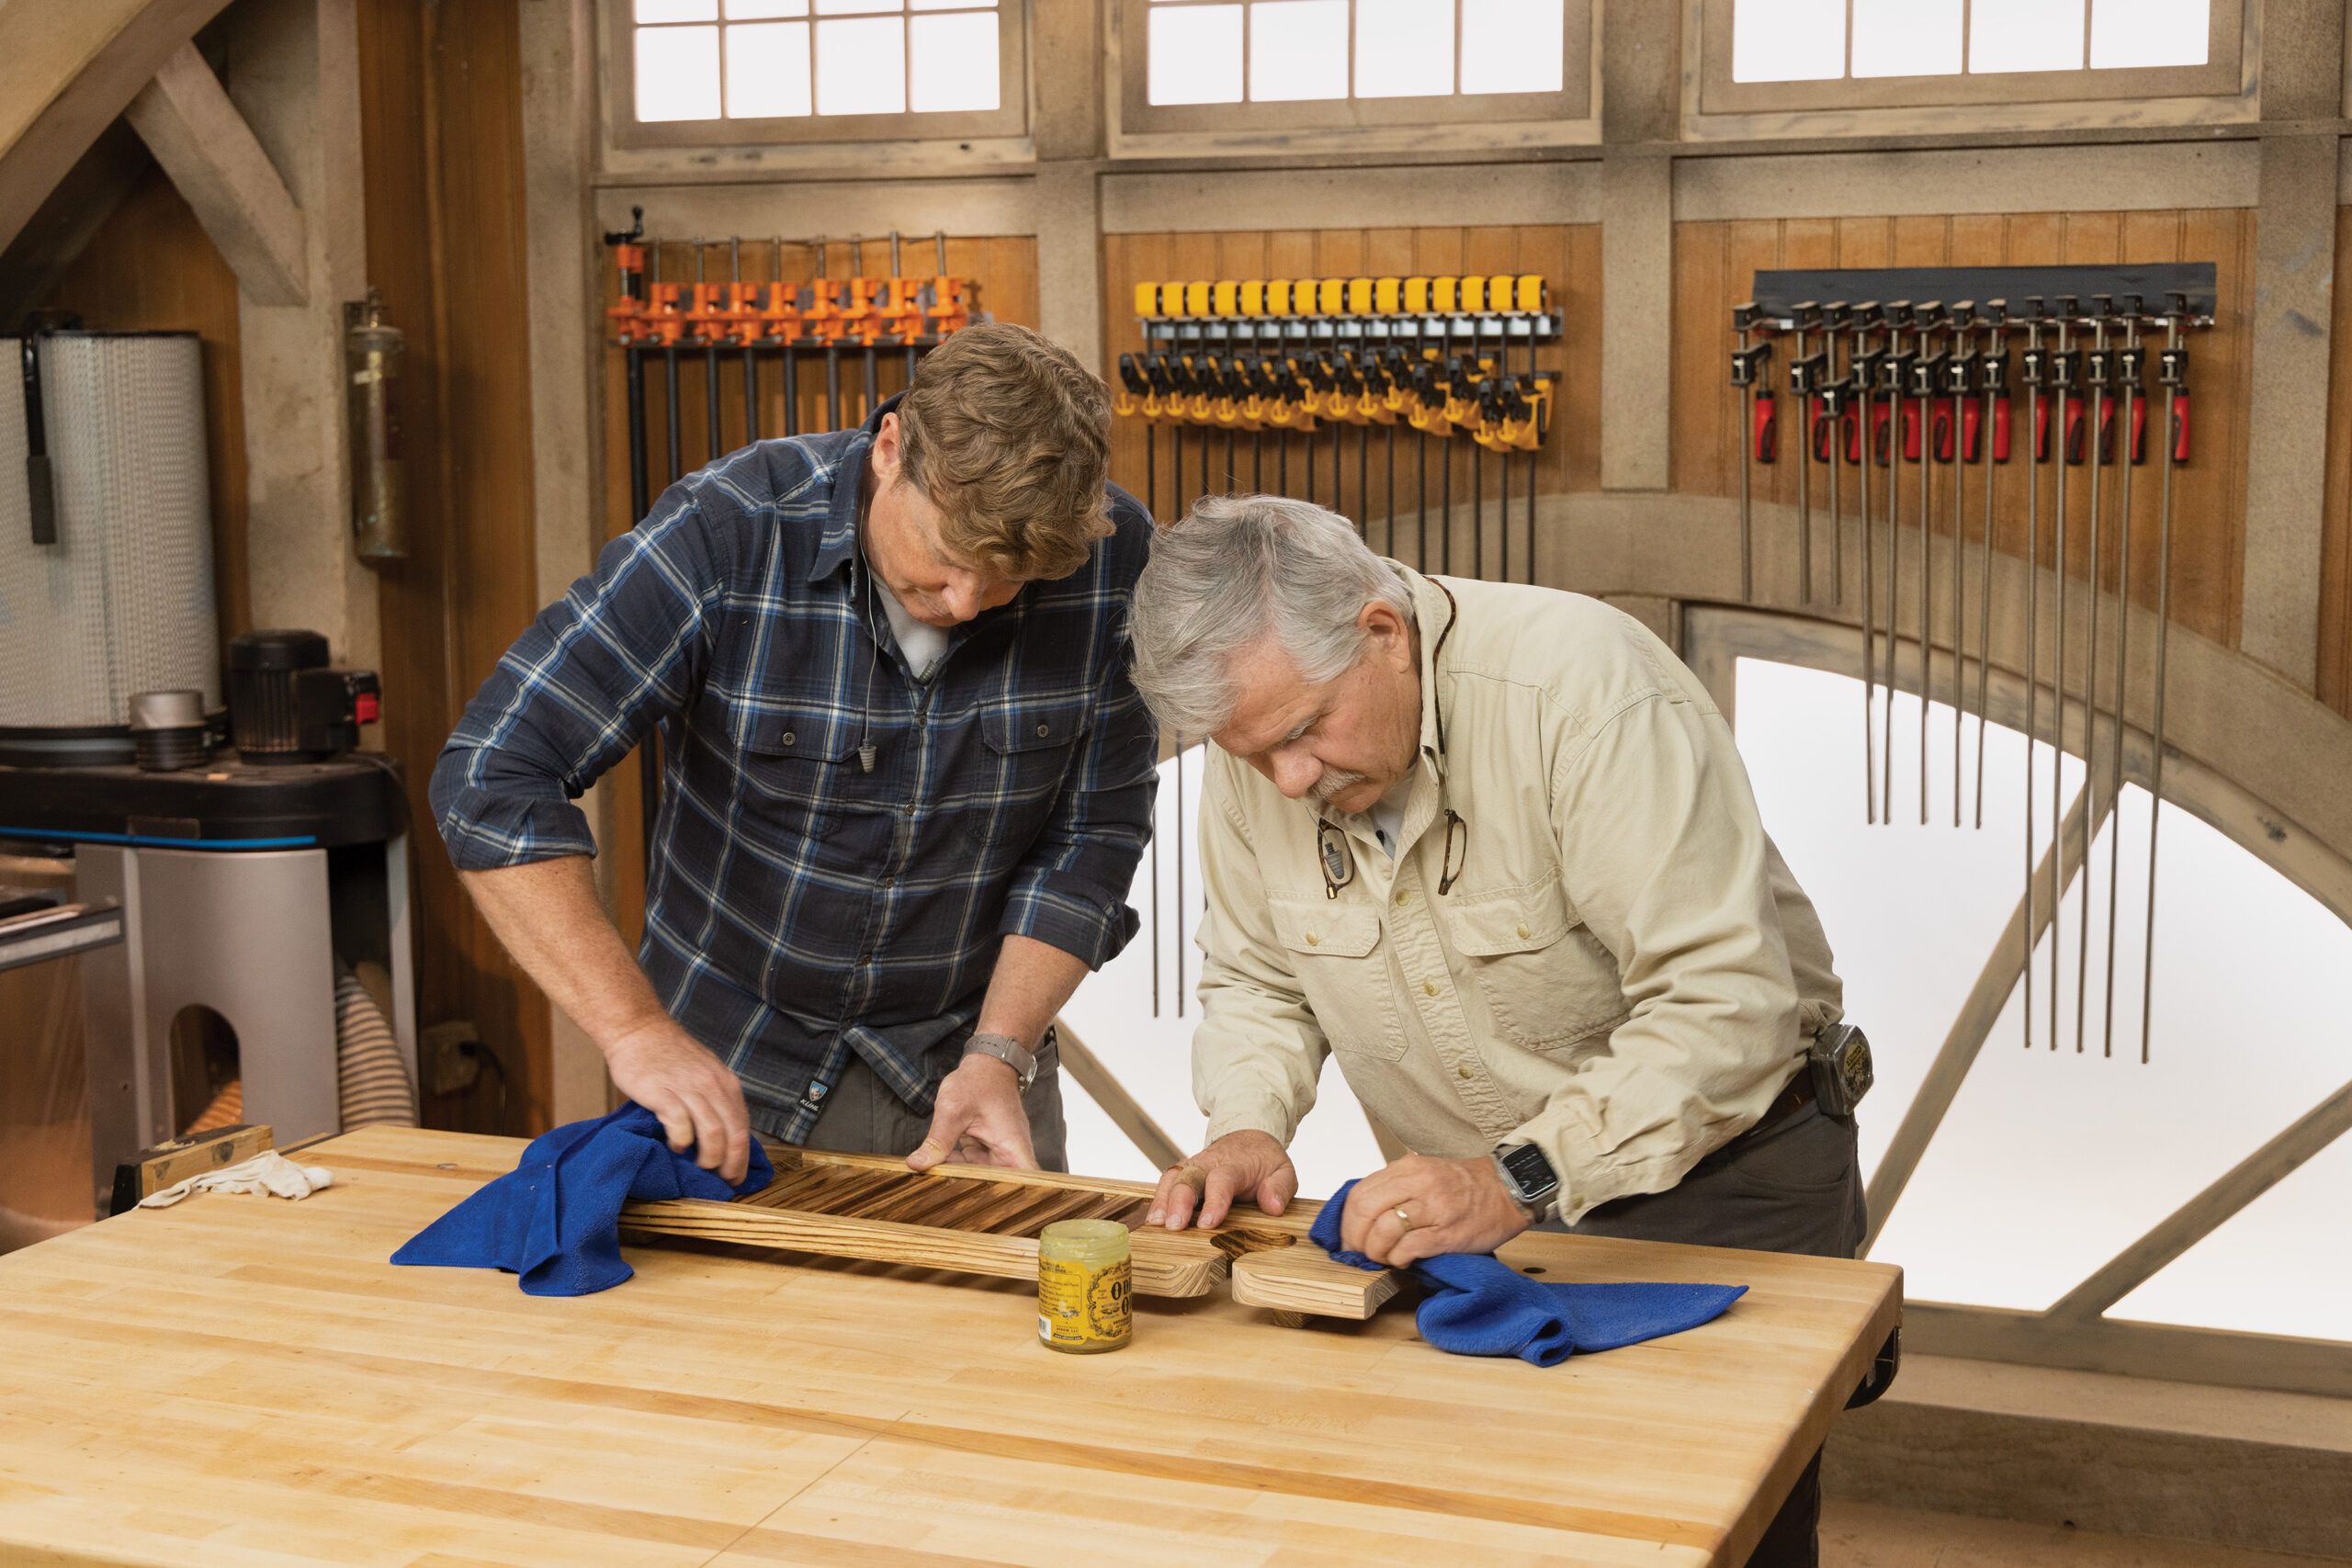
{"x": 862, "y": 1116}
{"x": 1797, "y": 1188}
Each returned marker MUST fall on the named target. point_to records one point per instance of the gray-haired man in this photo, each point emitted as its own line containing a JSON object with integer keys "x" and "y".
{"x": 1493, "y": 846}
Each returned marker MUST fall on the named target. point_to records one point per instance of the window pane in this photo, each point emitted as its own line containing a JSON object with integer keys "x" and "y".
{"x": 767, "y": 69}
{"x": 853, "y": 7}
{"x": 2257, "y": 1273}
{"x": 953, "y": 61}
{"x": 677, "y": 73}
{"x": 1788, "y": 41}
{"x": 747, "y": 10}
{"x": 861, "y": 66}
{"x": 950, "y": 4}
{"x": 1194, "y": 54}
{"x": 1298, "y": 48}
{"x": 1404, "y": 48}
{"x": 1511, "y": 46}
{"x": 2150, "y": 32}
{"x": 677, "y": 10}
{"x": 1906, "y": 38}
{"x": 2025, "y": 35}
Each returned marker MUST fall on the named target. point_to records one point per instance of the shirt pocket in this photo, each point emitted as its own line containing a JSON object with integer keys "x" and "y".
{"x": 1547, "y": 981}
{"x": 1333, "y": 946}
{"x": 797, "y": 770}
{"x": 1030, "y": 745}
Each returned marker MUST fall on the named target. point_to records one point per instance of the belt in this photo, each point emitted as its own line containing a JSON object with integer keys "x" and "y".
{"x": 1795, "y": 1097}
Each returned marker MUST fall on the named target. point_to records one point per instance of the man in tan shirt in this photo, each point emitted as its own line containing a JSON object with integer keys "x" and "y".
{"x": 1493, "y": 846}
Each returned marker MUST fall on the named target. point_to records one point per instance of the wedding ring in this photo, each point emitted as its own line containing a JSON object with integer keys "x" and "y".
{"x": 1403, "y": 1218}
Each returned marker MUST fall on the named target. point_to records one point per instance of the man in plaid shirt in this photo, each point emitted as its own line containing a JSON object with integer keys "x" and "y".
{"x": 906, "y": 781}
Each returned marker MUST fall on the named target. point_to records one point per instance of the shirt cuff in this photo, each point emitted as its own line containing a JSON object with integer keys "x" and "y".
{"x": 1077, "y": 921}
{"x": 487, "y": 832}
{"x": 1267, "y": 1115}
{"x": 1588, "y": 1177}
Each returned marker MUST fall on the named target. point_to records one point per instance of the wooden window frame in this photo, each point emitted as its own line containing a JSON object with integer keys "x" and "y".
{"x": 946, "y": 127}
{"x": 1242, "y": 123}
{"x": 2224, "y": 75}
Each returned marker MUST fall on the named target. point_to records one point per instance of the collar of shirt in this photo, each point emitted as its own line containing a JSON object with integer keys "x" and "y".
{"x": 837, "y": 546}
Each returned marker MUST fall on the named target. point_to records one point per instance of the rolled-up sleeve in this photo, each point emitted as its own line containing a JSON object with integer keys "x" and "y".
{"x": 617, "y": 654}
{"x": 1259, "y": 1051}
{"x": 1071, "y": 890}
{"x": 1666, "y": 859}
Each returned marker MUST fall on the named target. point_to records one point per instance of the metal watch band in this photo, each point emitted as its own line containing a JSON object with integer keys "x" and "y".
{"x": 1009, "y": 1051}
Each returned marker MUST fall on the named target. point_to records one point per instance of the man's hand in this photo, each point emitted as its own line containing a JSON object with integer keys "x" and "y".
{"x": 977, "y": 1119}
{"x": 1418, "y": 1207}
{"x": 1247, "y": 1162}
{"x": 667, "y": 1071}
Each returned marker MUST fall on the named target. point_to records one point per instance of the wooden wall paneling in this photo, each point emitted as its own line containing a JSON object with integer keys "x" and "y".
{"x": 151, "y": 268}
{"x": 441, "y": 95}
{"x": 2336, "y": 559}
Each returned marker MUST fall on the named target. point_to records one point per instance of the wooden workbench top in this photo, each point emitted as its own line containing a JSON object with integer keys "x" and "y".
{"x": 245, "y": 1380}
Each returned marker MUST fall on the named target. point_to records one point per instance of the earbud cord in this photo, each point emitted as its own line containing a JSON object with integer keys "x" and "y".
{"x": 866, "y": 709}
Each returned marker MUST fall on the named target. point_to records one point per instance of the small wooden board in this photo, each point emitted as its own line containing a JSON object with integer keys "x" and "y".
{"x": 984, "y": 1220}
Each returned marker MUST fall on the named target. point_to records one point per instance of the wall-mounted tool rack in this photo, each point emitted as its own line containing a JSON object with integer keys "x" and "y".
{"x": 1914, "y": 368}
{"x": 1288, "y": 361}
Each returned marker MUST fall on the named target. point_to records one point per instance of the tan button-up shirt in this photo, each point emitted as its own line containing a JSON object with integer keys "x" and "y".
{"x": 1622, "y": 970}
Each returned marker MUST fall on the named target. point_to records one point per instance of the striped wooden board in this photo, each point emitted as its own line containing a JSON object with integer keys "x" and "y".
{"x": 982, "y": 1220}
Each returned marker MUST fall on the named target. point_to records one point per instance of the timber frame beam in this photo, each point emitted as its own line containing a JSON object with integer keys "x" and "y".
{"x": 210, "y": 151}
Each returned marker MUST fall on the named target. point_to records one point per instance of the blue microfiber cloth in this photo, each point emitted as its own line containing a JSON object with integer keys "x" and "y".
{"x": 555, "y": 1219}
{"x": 1479, "y": 1305}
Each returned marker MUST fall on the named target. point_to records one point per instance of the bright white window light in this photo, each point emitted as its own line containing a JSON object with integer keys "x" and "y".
{"x": 767, "y": 71}
{"x": 677, "y": 10}
{"x": 765, "y": 10}
{"x": 2149, "y": 32}
{"x": 1788, "y": 41}
{"x": 1511, "y": 46}
{"x": 855, "y": 7}
{"x": 1194, "y": 54}
{"x": 2025, "y": 35}
{"x": 952, "y": 61}
{"x": 2050, "y": 1163}
{"x": 1404, "y": 48}
{"x": 861, "y": 65}
{"x": 1906, "y": 38}
{"x": 1298, "y": 49}
{"x": 677, "y": 73}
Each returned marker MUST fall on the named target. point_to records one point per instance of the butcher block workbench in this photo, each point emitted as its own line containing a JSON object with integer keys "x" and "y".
{"x": 243, "y": 1380}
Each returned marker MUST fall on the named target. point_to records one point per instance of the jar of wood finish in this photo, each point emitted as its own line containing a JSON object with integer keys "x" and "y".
{"x": 1085, "y": 1281}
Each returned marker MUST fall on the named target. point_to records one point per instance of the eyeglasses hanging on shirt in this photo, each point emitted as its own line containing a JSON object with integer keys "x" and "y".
{"x": 1339, "y": 861}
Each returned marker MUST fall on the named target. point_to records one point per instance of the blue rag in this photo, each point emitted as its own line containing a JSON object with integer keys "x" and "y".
{"x": 555, "y": 1219}
{"x": 1479, "y": 1305}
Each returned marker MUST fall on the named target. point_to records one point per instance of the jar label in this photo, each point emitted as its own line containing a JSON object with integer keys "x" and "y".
{"x": 1078, "y": 1306}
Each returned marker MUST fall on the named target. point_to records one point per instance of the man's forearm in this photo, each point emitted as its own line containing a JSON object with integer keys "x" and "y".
{"x": 548, "y": 917}
{"x": 1033, "y": 979}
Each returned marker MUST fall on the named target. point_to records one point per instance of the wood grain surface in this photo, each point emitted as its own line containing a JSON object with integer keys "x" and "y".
{"x": 245, "y": 1380}
{"x": 982, "y": 1220}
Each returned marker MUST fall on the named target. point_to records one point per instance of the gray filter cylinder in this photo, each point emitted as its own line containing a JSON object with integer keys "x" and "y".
{"x": 121, "y": 602}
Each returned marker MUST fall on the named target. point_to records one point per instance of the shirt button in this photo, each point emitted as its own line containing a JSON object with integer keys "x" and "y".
{"x": 1428, "y": 987}
{"x": 1044, "y": 730}
{"x": 1314, "y": 940}
{"x": 1403, "y": 899}
{"x": 1522, "y": 929}
{"x": 1462, "y": 1071}
{"x": 888, "y": 880}
{"x": 788, "y": 737}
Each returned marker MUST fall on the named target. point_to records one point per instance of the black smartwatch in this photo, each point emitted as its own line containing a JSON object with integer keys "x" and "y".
{"x": 1529, "y": 1176}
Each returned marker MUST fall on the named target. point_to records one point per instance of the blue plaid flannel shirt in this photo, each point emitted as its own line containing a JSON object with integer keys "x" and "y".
{"x": 798, "y": 908}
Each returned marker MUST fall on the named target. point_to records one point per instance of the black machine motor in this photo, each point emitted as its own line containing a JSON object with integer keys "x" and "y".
{"x": 286, "y": 705}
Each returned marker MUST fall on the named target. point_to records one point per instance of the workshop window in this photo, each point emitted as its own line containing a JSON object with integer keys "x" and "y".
{"x": 1779, "y": 55}
{"x": 710, "y": 71}
{"x": 2050, "y": 1163}
{"x": 1228, "y": 65}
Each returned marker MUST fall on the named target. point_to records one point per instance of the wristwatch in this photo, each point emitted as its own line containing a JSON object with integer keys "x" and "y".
{"x": 1009, "y": 1051}
{"x": 1528, "y": 1177}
